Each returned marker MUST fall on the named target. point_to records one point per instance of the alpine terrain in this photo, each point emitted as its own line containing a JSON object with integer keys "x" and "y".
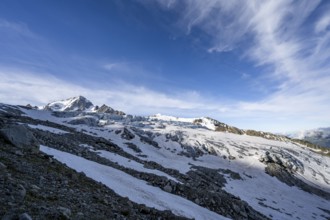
{"x": 73, "y": 160}
{"x": 319, "y": 136}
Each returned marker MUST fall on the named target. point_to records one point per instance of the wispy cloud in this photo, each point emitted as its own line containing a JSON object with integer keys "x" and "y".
{"x": 17, "y": 27}
{"x": 276, "y": 35}
{"x": 20, "y": 87}
{"x": 124, "y": 68}
{"x": 279, "y": 35}
{"x": 322, "y": 24}
{"x": 134, "y": 72}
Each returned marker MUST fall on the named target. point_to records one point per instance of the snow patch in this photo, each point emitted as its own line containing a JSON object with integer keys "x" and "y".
{"x": 123, "y": 161}
{"x": 135, "y": 189}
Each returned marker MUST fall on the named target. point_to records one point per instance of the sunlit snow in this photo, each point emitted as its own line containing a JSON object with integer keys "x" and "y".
{"x": 136, "y": 190}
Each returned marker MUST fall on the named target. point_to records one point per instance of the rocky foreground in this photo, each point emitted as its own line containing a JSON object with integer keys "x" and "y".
{"x": 35, "y": 186}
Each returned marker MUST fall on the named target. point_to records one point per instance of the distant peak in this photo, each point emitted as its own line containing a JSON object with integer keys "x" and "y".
{"x": 106, "y": 109}
{"x": 77, "y": 103}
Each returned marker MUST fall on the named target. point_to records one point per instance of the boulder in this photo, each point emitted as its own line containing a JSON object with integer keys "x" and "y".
{"x": 168, "y": 188}
{"x": 21, "y": 137}
{"x": 65, "y": 213}
{"x": 25, "y": 216}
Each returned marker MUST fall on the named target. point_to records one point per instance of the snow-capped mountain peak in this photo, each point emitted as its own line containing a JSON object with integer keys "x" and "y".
{"x": 78, "y": 103}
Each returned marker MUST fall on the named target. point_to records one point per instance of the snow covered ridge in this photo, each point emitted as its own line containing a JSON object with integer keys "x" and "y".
{"x": 215, "y": 125}
{"x": 80, "y": 104}
{"x": 196, "y": 168}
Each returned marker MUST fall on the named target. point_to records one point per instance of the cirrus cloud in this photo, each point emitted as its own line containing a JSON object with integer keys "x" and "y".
{"x": 281, "y": 37}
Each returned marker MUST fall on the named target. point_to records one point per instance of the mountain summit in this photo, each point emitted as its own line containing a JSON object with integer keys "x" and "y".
{"x": 78, "y": 103}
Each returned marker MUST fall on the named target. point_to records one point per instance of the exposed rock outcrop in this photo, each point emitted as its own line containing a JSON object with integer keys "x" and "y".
{"x": 21, "y": 137}
{"x": 109, "y": 110}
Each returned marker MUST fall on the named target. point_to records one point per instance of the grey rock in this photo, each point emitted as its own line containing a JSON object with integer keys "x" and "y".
{"x": 231, "y": 157}
{"x": 236, "y": 208}
{"x": 2, "y": 166}
{"x": 283, "y": 159}
{"x": 21, "y": 191}
{"x": 25, "y": 216}
{"x": 80, "y": 214}
{"x": 243, "y": 213}
{"x": 21, "y": 137}
{"x": 65, "y": 212}
{"x": 109, "y": 110}
{"x": 127, "y": 134}
{"x": 34, "y": 187}
{"x": 134, "y": 147}
{"x": 168, "y": 188}
{"x": 19, "y": 153}
{"x": 86, "y": 120}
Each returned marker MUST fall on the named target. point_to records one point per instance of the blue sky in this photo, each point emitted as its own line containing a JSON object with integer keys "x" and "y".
{"x": 254, "y": 64}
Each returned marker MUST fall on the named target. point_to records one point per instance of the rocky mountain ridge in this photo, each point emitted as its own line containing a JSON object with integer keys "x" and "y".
{"x": 163, "y": 167}
{"x": 82, "y": 104}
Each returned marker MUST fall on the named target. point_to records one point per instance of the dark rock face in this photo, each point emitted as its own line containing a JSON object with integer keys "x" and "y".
{"x": 127, "y": 134}
{"x": 109, "y": 110}
{"x": 282, "y": 174}
{"x": 81, "y": 103}
{"x": 134, "y": 147}
{"x": 285, "y": 160}
{"x": 21, "y": 137}
{"x": 90, "y": 121}
{"x": 283, "y": 167}
{"x": 105, "y": 109}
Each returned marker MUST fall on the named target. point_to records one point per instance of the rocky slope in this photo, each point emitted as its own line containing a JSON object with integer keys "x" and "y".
{"x": 74, "y": 161}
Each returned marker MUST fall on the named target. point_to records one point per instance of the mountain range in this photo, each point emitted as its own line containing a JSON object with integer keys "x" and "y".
{"x": 73, "y": 160}
{"x": 319, "y": 136}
